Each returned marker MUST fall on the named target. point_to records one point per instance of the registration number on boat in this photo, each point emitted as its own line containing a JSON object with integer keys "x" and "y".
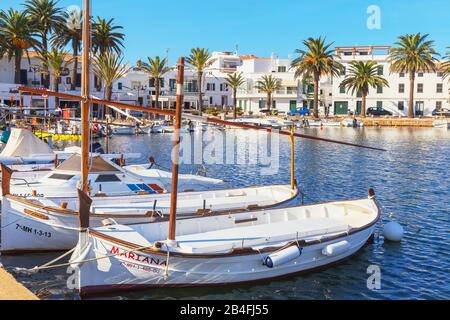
{"x": 34, "y": 231}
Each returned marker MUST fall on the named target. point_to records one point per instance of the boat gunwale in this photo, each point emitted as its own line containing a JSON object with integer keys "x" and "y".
{"x": 70, "y": 212}
{"x": 244, "y": 251}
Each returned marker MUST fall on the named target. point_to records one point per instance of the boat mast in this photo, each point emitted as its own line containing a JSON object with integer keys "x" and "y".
{"x": 85, "y": 93}
{"x": 176, "y": 150}
{"x": 292, "y": 158}
{"x": 83, "y": 197}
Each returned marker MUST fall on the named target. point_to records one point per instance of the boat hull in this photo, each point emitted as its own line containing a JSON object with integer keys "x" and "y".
{"x": 139, "y": 271}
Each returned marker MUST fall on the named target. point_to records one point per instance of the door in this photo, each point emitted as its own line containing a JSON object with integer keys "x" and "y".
{"x": 293, "y": 105}
{"x": 23, "y": 77}
{"x": 358, "y": 107}
{"x": 341, "y": 108}
{"x": 420, "y": 106}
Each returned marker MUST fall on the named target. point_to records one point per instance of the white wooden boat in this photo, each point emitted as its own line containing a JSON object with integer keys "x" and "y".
{"x": 24, "y": 148}
{"x": 107, "y": 179}
{"x": 38, "y": 224}
{"x": 223, "y": 250}
{"x": 441, "y": 124}
{"x": 118, "y": 130}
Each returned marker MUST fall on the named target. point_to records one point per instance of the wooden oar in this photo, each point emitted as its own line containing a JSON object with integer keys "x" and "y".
{"x": 188, "y": 116}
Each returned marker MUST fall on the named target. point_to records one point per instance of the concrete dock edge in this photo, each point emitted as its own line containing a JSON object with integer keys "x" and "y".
{"x": 11, "y": 289}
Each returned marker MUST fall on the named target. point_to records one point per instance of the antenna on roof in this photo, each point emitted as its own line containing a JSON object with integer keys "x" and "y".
{"x": 237, "y": 49}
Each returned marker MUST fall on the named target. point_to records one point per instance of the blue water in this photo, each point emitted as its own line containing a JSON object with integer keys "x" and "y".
{"x": 412, "y": 182}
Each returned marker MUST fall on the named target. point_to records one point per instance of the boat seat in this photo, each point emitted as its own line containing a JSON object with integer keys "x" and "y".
{"x": 225, "y": 240}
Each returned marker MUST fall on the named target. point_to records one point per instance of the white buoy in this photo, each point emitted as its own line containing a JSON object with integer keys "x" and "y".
{"x": 393, "y": 231}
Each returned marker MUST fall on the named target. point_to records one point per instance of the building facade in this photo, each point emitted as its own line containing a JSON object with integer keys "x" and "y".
{"x": 431, "y": 90}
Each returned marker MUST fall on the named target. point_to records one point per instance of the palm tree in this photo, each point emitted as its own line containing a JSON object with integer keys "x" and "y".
{"x": 413, "y": 53}
{"x": 67, "y": 33}
{"x": 109, "y": 67}
{"x": 268, "y": 84}
{"x": 45, "y": 17}
{"x": 155, "y": 68}
{"x": 235, "y": 80}
{"x": 200, "y": 59}
{"x": 316, "y": 61}
{"x": 105, "y": 36}
{"x": 17, "y": 34}
{"x": 446, "y": 65}
{"x": 360, "y": 77}
{"x": 57, "y": 61}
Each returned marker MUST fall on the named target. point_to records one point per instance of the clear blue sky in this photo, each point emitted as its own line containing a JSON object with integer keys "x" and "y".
{"x": 263, "y": 26}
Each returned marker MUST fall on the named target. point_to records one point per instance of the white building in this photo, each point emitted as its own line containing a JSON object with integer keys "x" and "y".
{"x": 431, "y": 90}
{"x": 294, "y": 94}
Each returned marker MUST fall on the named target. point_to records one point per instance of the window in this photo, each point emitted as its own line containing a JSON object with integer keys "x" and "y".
{"x": 420, "y": 88}
{"x": 172, "y": 83}
{"x": 68, "y": 80}
{"x": 401, "y": 105}
{"x": 343, "y": 71}
{"x": 210, "y": 100}
{"x": 402, "y": 75}
{"x": 379, "y": 89}
{"x": 439, "y": 88}
{"x": 342, "y": 89}
{"x": 379, "y": 104}
{"x": 380, "y": 70}
{"x": 282, "y": 69}
{"x": 438, "y": 105}
{"x": 348, "y": 53}
{"x": 107, "y": 178}
{"x": 440, "y": 74}
{"x": 401, "y": 88}
{"x": 321, "y": 91}
{"x": 420, "y": 74}
{"x": 59, "y": 80}
{"x": 119, "y": 86}
{"x": 58, "y": 176}
{"x": 211, "y": 87}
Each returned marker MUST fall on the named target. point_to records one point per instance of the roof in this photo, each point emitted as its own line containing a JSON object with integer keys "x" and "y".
{"x": 252, "y": 57}
{"x": 98, "y": 164}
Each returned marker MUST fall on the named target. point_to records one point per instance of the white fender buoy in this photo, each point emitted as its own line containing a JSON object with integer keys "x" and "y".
{"x": 393, "y": 231}
{"x": 336, "y": 249}
{"x": 282, "y": 257}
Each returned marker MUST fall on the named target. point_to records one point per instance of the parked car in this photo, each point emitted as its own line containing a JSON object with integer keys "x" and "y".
{"x": 378, "y": 112}
{"x": 441, "y": 112}
{"x": 299, "y": 112}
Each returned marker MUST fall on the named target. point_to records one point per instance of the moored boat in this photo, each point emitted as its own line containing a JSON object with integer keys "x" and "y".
{"x": 441, "y": 123}
{"x": 223, "y": 250}
{"x": 38, "y": 224}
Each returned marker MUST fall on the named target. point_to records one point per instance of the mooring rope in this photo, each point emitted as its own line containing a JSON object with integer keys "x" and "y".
{"x": 48, "y": 265}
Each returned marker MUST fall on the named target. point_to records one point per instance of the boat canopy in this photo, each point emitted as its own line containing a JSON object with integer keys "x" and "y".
{"x": 97, "y": 165}
{"x": 23, "y": 143}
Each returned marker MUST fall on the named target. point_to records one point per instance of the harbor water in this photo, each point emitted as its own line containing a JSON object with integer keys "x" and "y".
{"x": 412, "y": 182}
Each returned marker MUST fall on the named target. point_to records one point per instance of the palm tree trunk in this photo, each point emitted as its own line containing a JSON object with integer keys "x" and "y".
{"x": 108, "y": 94}
{"x": 269, "y": 103}
{"x": 363, "y": 105}
{"x": 235, "y": 103}
{"x": 200, "y": 93}
{"x": 157, "y": 85}
{"x": 44, "y": 66}
{"x": 56, "y": 89}
{"x": 73, "y": 84}
{"x": 17, "y": 63}
{"x": 316, "y": 95}
{"x": 412, "y": 76}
